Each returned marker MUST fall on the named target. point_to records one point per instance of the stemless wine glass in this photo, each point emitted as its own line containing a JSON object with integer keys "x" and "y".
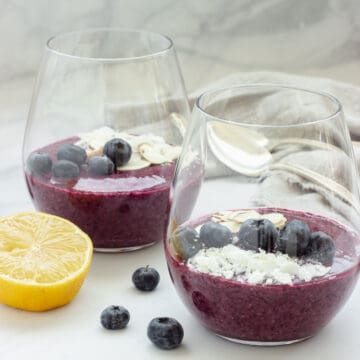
{"x": 104, "y": 132}
{"x": 270, "y": 252}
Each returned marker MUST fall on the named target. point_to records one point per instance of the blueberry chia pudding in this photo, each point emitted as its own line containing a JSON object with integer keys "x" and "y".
{"x": 114, "y": 186}
{"x": 263, "y": 276}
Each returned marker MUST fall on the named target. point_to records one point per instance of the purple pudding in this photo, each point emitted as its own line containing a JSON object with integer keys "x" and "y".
{"x": 121, "y": 211}
{"x": 276, "y": 313}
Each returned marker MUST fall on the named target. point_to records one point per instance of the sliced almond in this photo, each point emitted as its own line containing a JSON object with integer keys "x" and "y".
{"x": 91, "y": 153}
{"x": 152, "y": 154}
{"x": 136, "y": 162}
{"x": 137, "y": 140}
{"x": 222, "y": 215}
{"x": 233, "y": 219}
{"x": 240, "y": 217}
{"x": 217, "y": 219}
{"x": 170, "y": 152}
{"x": 276, "y": 218}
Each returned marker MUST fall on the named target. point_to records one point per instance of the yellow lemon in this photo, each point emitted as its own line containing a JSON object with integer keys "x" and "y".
{"x": 43, "y": 260}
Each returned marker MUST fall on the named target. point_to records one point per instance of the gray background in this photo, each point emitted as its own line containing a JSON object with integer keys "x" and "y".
{"x": 213, "y": 37}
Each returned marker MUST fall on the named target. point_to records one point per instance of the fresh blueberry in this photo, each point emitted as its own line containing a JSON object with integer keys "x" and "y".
{"x": 146, "y": 278}
{"x": 65, "y": 169}
{"x": 166, "y": 333}
{"x": 114, "y": 317}
{"x": 258, "y": 234}
{"x": 100, "y": 166}
{"x": 294, "y": 238}
{"x": 321, "y": 248}
{"x": 186, "y": 242}
{"x": 71, "y": 152}
{"x": 39, "y": 164}
{"x": 118, "y": 150}
{"x": 215, "y": 235}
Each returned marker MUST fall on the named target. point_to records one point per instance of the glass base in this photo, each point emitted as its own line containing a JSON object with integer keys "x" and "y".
{"x": 263, "y": 343}
{"x": 123, "y": 249}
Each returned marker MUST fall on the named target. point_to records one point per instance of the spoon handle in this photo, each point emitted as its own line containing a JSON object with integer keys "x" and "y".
{"x": 304, "y": 142}
{"x": 329, "y": 184}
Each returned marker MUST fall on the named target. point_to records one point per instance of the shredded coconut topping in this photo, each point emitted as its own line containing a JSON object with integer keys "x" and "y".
{"x": 231, "y": 262}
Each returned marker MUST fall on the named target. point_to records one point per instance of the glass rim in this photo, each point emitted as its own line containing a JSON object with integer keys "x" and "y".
{"x": 159, "y": 53}
{"x": 210, "y": 116}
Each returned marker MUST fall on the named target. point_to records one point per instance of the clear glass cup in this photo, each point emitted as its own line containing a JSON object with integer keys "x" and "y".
{"x": 112, "y": 103}
{"x": 270, "y": 252}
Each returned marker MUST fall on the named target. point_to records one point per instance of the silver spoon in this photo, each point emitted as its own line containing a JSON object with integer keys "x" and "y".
{"x": 250, "y": 153}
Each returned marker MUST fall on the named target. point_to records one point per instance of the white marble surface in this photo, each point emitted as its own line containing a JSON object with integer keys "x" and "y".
{"x": 14, "y": 102}
{"x": 73, "y": 331}
{"x": 213, "y": 39}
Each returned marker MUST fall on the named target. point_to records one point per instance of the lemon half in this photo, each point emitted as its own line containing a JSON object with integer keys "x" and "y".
{"x": 43, "y": 260}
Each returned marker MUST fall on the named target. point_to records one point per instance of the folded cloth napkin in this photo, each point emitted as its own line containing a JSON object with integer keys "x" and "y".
{"x": 289, "y": 189}
{"x": 347, "y": 94}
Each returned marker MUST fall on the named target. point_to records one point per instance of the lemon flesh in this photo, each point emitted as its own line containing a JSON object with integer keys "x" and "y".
{"x": 44, "y": 260}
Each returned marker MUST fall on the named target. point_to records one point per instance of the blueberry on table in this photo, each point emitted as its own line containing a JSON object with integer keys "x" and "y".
{"x": 118, "y": 150}
{"x": 39, "y": 164}
{"x": 294, "y": 238}
{"x": 146, "y": 278}
{"x": 71, "y": 152}
{"x": 66, "y": 170}
{"x": 114, "y": 317}
{"x": 100, "y": 166}
{"x": 321, "y": 248}
{"x": 258, "y": 234}
{"x": 186, "y": 242}
{"x": 215, "y": 235}
{"x": 166, "y": 333}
